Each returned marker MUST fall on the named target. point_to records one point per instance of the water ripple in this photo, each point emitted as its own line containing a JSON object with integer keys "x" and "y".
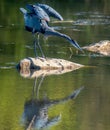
{"x": 91, "y": 22}
{"x": 91, "y": 18}
{"x": 29, "y": 47}
{"x": 11, "y": 63}
{"x": 1, "y": 26}
{"x": 7, "y": 67}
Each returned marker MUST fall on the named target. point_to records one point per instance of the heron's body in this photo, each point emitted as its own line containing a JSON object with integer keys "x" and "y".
{"x": 32, "y": 23}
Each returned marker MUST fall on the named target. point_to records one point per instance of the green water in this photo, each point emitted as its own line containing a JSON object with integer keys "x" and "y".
{"x": 90, "y": 24}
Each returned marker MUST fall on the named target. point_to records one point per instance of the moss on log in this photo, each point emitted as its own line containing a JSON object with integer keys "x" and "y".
{"x": 35, "y": 67}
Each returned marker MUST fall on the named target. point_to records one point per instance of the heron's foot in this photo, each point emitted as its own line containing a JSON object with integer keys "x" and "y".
{"x": 36, "y": 57}
{"x": 43, "y": 56}
{"x": 42, "y": 59}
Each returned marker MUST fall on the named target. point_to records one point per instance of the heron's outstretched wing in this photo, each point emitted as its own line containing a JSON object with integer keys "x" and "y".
{"x": 38, "y": 11}
{"x": 50, "y": 11}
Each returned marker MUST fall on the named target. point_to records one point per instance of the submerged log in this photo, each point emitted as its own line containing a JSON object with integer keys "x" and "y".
{"x": 102, "y": 47}
{"x": 36, "y": 67}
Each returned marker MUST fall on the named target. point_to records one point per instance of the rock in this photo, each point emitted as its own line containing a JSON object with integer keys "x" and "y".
{"x": 102, "y": 47}
{"x": 35, "y": 67}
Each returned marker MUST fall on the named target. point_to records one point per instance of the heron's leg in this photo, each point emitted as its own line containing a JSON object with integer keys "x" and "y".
{"x": 39, "y": 85}
{"x": 40, "y": 47}
{"x": 35, "y": 50}
{"x": 35, "y": 46}
{"x": 34, "y": 87}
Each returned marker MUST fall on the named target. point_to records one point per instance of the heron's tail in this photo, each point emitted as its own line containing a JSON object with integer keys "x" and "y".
{"x": 51, "y": 32}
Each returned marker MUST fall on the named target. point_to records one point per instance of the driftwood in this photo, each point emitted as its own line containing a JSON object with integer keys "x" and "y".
{"x": 36, "y": 67}
{"x": 103, "y": 47}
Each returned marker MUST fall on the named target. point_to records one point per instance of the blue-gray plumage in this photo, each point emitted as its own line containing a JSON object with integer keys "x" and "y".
{"x": 38, "y": 11}
{"x": 50, "y": 11}
{"x": 36, "y": 21}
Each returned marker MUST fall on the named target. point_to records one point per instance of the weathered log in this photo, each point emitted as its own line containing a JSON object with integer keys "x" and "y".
{"x": 36, "y": 67}
{"x": 102, "y": 47}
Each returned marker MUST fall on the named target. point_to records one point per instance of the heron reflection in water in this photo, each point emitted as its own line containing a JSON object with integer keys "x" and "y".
{"x": 37, "y": 19}
{"x": 35, "y": 115}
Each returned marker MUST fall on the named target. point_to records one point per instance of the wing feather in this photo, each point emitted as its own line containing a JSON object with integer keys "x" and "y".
{"x": 50, "y": 11}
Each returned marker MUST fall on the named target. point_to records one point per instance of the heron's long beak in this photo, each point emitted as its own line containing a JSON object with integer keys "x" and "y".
{"x": 76, "y": 45}
{"x": 24, "y": 11}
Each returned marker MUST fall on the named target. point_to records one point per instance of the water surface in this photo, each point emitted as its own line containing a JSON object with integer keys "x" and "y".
{"x": 85, "y": 21}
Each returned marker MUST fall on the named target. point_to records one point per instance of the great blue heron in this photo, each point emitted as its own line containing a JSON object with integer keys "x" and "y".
{"x": 36, "y": 21}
